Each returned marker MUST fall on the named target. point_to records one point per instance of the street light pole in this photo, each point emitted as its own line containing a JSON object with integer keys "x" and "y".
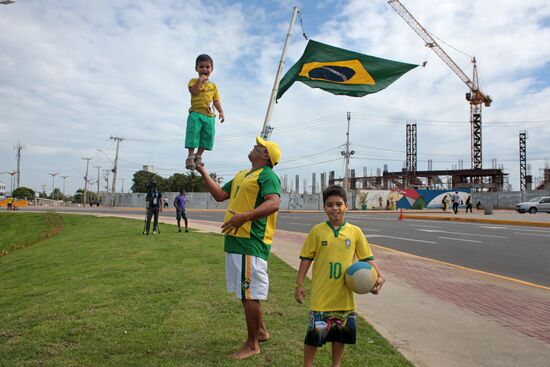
{"x": 347, "y": 154}
{"x": 53, "y": 183}
{"x": 64, "y": 177}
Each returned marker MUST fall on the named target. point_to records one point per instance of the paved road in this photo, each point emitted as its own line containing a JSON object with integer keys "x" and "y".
{"x": 514, "y": 251}
{"x": 519, "y": 252}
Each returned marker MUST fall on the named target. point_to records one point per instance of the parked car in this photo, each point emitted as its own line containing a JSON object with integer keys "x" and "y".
{"x": 538, "y": 204}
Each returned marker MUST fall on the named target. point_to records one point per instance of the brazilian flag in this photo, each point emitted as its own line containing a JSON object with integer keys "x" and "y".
{"x": 340, "y": 71}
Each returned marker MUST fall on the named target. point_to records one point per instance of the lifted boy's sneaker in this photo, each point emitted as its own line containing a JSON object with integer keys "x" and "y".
{"x": 190, "y": 162}
{"x": 198, "y": 161}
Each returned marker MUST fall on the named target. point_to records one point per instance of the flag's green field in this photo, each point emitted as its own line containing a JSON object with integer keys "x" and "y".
{"x": 99, "y": 293}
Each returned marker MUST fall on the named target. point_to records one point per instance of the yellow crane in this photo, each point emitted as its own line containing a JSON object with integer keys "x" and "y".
{"x": 475, "y": 96}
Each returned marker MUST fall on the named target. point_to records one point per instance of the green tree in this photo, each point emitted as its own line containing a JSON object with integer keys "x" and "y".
{"x": 91, "y": 197}
{"x": 23, "y": 193}
{"x": 142, "y": 178}
{"x": 57, "y": 195}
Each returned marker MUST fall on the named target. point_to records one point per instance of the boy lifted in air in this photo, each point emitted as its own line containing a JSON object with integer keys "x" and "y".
{"x": 200, "y": 123}
{"x": 332, "y": 246}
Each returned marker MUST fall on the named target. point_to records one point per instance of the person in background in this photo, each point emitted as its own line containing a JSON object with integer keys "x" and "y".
{"x": 179, "y": 203}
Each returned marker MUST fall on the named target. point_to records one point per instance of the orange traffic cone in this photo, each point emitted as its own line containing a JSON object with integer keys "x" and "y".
{"x": 401, "y": 217}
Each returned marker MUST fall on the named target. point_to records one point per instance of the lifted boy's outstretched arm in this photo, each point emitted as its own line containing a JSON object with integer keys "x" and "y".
{"x": 299, "y": 290}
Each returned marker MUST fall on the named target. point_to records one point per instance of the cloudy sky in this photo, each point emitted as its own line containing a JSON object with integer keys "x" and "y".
{"x": 74, "y": 73}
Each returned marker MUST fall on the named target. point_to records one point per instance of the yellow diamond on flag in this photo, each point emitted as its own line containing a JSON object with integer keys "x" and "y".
{"x": 341, "y": 72}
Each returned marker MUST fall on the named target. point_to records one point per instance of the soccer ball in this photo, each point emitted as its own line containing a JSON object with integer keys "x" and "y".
{"x": 360, "y": 277}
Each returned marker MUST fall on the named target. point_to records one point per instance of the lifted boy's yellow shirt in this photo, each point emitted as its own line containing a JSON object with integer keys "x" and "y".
{"x": 332, "y": 251}
{"x": 202, "y": 102}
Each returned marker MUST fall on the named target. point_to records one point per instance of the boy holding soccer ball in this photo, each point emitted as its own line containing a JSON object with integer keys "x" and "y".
{"x": 332, "y": 246}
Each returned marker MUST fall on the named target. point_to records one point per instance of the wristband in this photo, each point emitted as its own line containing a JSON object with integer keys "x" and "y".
{"x": 298, "y": 285}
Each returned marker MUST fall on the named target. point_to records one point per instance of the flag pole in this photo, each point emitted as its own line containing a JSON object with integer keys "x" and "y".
{"x": 266, "y": 129}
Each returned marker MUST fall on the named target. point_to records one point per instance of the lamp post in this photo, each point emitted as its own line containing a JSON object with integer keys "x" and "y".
{"x": 12, "y": 173}
{"x": 64, "y": 178}
{"x": 53, "y": 183}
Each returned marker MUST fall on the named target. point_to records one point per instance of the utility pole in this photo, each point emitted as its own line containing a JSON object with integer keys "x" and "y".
{"x": 53, "y": 183}
{"x": 122, "y": 191}
{"x": 18, "y": 148}
{"x": 64, "y": 178}
{"x": 347, "y": 153}
{"x": 115, "y": 169}
{"x": 106, "y": 173}
{"x": 85, "y": 193}
{"x": 98, "y": 179}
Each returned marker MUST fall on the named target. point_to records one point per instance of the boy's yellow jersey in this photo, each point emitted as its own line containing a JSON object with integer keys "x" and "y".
{"x": 202, "y": 102}
{"x": 246, "y": 192}
{"x": 332, "y": 251}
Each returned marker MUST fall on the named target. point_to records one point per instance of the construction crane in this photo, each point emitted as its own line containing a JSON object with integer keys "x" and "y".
{"x": 475, "y": 96}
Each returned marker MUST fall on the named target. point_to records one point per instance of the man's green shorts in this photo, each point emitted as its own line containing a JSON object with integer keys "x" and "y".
{"x": 200, "y": 131}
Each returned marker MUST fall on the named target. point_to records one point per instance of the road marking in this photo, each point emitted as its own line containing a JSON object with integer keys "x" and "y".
{"x": 423, "y": 225}
{"x": 401, "y": 238}
{"x": 465, "y": 268}
{"x": 460, "y": 233}
{"x": 370, "y": 230}
{"x": 493, "y": 227}
{"x": 459, "y": 239}
{"x": 533, "y": 234}
{"x": 531, "y": 230}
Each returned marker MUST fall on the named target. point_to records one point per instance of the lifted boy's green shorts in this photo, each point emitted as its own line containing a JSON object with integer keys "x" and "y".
{"x": 200, "y": 131}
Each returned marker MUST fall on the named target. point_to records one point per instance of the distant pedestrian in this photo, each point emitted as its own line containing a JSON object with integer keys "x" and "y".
{"x": 444, "y": 202}
{"x": 469, "y": 203}
{"x": 478, "y": 204}
{"x": 154, "y": 205}
{"x": 456, "y": 201}
{"x": 179, "y": 203}
{"x": 10, "y": 203}
{"x": 381, "y": 203}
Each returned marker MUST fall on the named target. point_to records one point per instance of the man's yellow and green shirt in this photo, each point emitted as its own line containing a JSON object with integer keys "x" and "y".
{"x": 332, "y": 251}
{"x": 247, "y": 191}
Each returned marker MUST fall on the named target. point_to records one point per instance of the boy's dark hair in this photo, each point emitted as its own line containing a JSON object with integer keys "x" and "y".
{"x": 182, "y": 191}
{"x": 334, "y": 190}
{"x": 204, "y": 57}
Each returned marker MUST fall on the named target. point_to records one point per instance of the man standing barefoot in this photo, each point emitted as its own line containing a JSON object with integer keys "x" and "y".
{"x": 249, "y": 226}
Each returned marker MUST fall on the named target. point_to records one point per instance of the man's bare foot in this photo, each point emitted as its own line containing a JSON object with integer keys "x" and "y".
{"x": 263, "y": 336}
{"x": 245, "y": 352}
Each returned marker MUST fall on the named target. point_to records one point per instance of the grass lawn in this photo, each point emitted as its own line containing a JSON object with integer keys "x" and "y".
{"x": 99, "y": 293}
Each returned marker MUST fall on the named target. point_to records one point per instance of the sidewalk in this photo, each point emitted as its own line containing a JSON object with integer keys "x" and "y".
{"x": 438, "y": 315}
{"x": 510, "y": 217}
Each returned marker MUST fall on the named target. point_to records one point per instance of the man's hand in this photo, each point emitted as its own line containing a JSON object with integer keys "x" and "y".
{"x": 222, "y": 117}
{"x": 299, "y": 294}
{"x": 236, "y": 222}
{"x": 200, "y": 169}
{"x": 203, "y": 78}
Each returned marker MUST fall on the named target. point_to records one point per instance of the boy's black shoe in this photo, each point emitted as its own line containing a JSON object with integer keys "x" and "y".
{"x": 179, "y": 230}
{"x": 186, "y": 230}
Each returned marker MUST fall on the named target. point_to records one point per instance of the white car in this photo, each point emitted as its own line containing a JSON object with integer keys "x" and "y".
{"x": 538, "y": 204}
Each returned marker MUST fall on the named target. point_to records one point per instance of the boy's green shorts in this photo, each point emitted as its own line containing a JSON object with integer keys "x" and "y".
{"x": 200, "y": 131}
